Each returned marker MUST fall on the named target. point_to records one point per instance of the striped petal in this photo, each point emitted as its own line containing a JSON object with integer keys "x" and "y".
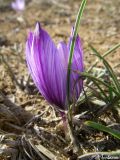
{"x": 48, "y": 66}
{"x": 77, "y": 65}
{"x": 45, "y": 66}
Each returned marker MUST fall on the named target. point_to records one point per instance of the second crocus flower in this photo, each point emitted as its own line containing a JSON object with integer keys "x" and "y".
{"x": 18, "y": 5}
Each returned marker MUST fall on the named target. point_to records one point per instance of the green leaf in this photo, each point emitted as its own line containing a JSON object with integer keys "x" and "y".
{"x": 92, "y": 78}
{"x": 109, "y": 69}
{"x": 104, "y": 55}
{"x": 103, "y": 128}
{"x": 75, "y": 32}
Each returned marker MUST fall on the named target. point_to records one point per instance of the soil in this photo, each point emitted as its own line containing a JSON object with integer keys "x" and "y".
{"x": 19, "y": 103}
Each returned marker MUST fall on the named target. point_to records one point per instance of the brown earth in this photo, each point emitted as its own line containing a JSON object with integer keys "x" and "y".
{"x": 100, "y": 26}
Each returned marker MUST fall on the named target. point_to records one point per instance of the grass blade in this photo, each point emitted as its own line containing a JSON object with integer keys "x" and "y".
{"x": 75, "y": 32}
{"x": 72, "y": 45}
{"x": 103, "y": 128}
{"x": 92, "y": 78}
{"x": 104, "y": 55}
{"x": 109, "y": 68}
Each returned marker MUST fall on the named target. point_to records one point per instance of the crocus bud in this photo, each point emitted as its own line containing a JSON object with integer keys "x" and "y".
{"x": 48, "y": 64}
{"x": 18, "y": 5}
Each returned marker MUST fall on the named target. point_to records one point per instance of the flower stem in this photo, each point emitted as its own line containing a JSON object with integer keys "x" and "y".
{"x": 73, "y": 138}
{"x": 69, "y": 115}
{"x": 72, "y": 45}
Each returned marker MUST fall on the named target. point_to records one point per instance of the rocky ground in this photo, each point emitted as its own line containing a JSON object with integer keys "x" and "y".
{"x": 19, "y": 98}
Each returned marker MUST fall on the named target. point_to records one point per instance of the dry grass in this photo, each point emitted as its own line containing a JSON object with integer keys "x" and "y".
{"x": 29, "y": 127}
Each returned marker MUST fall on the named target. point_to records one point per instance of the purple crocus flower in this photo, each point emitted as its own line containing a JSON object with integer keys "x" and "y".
{"x": 48, "y": 64}
{"x": 18, "y": 5}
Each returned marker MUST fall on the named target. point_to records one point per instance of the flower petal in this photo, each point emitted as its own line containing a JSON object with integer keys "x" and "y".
{"x": 45, "y": 66}
{"x": 48, "y": 66}
{"x": 18, "y": 5}
{"x": 77, "y": 64}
